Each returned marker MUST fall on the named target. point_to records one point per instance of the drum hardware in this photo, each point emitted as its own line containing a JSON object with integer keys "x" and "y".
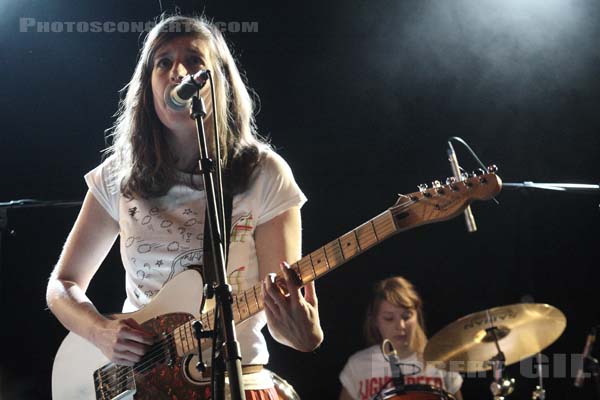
{"x": 390, "y": 353}
{"x": 588, "y": 363}
{"x": 415, "y": 392}
{"x": 496, "y": 338}
{"x": 593, "y": 366}
{"x": 539, "y": 393}
{"x": 391, "y": 356}
{"x": 501, "y": 387}
{"x": 400, "y": 391}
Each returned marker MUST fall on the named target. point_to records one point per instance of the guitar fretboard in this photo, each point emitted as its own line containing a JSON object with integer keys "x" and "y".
{"x": 426, "y": 206}
{"x": 310, "y": 267}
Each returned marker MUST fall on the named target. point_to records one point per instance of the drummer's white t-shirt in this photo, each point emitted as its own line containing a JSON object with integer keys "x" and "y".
{"x": 367, "y": 371}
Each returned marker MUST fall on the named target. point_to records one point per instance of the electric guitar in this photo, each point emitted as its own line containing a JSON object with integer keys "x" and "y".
{"x": 167, "y": 371}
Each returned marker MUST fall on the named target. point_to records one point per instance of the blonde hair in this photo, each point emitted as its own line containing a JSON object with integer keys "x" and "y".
{"x": 399, "y": 292}
{"x": 143, "y": 158}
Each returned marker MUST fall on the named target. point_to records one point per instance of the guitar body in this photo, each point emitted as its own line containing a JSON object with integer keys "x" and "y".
{"x": 77, "y": 359}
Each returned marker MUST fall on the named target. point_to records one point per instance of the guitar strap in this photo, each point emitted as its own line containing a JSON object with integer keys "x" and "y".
{"x": 207, "y": 258}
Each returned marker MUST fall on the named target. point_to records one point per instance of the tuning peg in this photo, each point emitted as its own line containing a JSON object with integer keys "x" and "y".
{"x": 492, "y": 169}
{"x": 464, "y": 175}
{"x": 480, "y": 173}
{"x": 467, "y": 178}
{"x": 422, "y": 187}
{"x": 451, "y": 181}
{"x": 437, "y": 185}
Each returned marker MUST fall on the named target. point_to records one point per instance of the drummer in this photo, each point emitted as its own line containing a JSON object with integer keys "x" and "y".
{"x": 396, "y": 314}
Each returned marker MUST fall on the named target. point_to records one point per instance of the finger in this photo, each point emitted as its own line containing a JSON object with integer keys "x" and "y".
{"x": 270, "y": 307}
{"x": 132, "y": 357}
{"x": 135, "y": 332}
{"x": 128, "y": 357}
{"x": 273, "y": 291}
{"x": 291, "y": 281}
{"x": 131, "y": 346}
{"x": 270, "y": 311}
{"x": 127, "y": 333}
{"x": 310, "y": 294}
{"x": 135, "y": 325}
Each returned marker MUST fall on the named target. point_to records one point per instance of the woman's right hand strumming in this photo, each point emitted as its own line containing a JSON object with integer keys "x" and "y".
{"x": 123, "y": 341}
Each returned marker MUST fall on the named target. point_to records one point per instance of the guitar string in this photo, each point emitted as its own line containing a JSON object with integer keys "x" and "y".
{"x": 158, "y": 349}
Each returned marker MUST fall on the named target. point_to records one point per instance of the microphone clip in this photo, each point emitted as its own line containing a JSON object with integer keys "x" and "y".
{"x": 389, "y": 352}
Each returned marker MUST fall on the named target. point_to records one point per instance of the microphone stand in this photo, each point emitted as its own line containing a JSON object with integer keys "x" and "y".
{"x": 222, "y": 290}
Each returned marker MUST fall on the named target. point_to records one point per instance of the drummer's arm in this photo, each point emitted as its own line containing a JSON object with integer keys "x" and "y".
{"x": 458, "y": 395}
{"x": 344, "y": 395}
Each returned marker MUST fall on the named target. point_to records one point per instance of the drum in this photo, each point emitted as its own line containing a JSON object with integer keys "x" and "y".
{"x": 416, "y": 392}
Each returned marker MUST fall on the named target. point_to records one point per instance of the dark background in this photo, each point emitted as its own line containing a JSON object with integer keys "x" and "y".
{"x": 360, "y": 98}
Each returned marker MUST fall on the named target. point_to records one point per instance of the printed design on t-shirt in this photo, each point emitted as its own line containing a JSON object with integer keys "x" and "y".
{"x": 184, "y": 260}
{"x": 141, "y": 274}
{"x": 166, "y": 224}
{"x": 236, "y": 276}
{"x": 186, "y": 235}
{"x": 191, "y": 222}
{"x": 369, "y": 387}
{"x": 132, "y": 212}
{"x": 151, "y": 218}
{"x": 140, "y": 246}
{"x": 159, "y": 243}
{"x": 147, "y": 293}
{"x": 241, "y": 228}
{"x": 145, "y": 273}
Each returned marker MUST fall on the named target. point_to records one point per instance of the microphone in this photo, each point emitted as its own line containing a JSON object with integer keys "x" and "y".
{"x": 178, "y": 98}
{"x": 469, "y": 219}
{"x": 589, "y": 343}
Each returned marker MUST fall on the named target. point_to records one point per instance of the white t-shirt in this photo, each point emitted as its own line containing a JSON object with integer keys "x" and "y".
{"x": 161, "y": 237}
{"x": 367, "y": 371}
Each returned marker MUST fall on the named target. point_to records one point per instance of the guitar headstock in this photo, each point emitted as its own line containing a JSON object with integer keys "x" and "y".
{"x": 441, "y": 202}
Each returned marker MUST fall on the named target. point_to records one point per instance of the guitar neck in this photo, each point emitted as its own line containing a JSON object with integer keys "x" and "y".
{"x": 337, "y": 252}
{"x": 316, "y": 264}
{"x": 439, "y": 203}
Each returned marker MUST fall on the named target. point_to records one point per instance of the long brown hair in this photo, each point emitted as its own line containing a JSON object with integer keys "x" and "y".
{"x": 399, "y": 292}
{"x": 145, "y": 164}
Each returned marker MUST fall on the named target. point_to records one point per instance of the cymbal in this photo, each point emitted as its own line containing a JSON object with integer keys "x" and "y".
{"x": 522, "y": 330}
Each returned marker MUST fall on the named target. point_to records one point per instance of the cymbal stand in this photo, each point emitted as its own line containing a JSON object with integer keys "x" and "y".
{"x": 592, "y": 365}
{"x": 501, "y": 387}
{"x": 539, "y": 393}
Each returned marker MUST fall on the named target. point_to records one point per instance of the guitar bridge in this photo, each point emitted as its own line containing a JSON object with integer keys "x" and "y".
{"x": 114, "y": 382}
